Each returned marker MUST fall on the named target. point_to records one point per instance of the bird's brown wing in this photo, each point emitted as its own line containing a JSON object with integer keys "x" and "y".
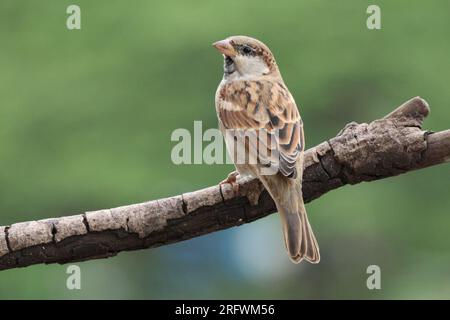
{"x": 268, "y": 108}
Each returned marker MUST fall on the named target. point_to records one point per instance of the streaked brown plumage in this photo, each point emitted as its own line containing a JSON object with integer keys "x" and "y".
{"x": 253, "y": 100}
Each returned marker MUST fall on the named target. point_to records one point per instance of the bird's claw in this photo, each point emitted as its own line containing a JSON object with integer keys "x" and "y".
{"x": 232, "y": 179}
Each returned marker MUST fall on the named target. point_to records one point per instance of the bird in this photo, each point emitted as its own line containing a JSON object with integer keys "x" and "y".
{"x": 254, "y": 104}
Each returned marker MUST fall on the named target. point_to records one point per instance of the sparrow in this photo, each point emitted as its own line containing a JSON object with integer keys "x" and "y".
{"x": 253, "y": 100}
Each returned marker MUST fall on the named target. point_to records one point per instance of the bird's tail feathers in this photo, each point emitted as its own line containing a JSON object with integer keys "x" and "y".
{"x": 298, "y": 234}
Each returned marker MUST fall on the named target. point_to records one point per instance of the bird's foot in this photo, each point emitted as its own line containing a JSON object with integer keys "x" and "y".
{"x": 232, "y": 179}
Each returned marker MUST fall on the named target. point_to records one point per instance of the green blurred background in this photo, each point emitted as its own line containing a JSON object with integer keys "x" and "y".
{"x": 86, "y": 118}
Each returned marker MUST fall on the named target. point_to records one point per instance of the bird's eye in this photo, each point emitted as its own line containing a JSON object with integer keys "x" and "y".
{"x": 247, "y": 50}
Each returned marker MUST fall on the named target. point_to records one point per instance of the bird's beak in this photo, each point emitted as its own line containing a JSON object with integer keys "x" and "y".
{"x": 225, "y": 47}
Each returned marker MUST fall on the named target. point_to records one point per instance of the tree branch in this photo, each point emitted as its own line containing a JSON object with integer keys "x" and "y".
{"x": 386, "y": 147}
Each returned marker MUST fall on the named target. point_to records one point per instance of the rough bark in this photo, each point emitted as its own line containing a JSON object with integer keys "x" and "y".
{"x": 360, "y": 152}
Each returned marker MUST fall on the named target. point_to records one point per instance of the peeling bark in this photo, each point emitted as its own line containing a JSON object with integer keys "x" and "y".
{"x": 383, "y": 148}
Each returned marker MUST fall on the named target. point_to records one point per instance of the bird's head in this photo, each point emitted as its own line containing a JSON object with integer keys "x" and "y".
{"x": 246, "y": 57}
